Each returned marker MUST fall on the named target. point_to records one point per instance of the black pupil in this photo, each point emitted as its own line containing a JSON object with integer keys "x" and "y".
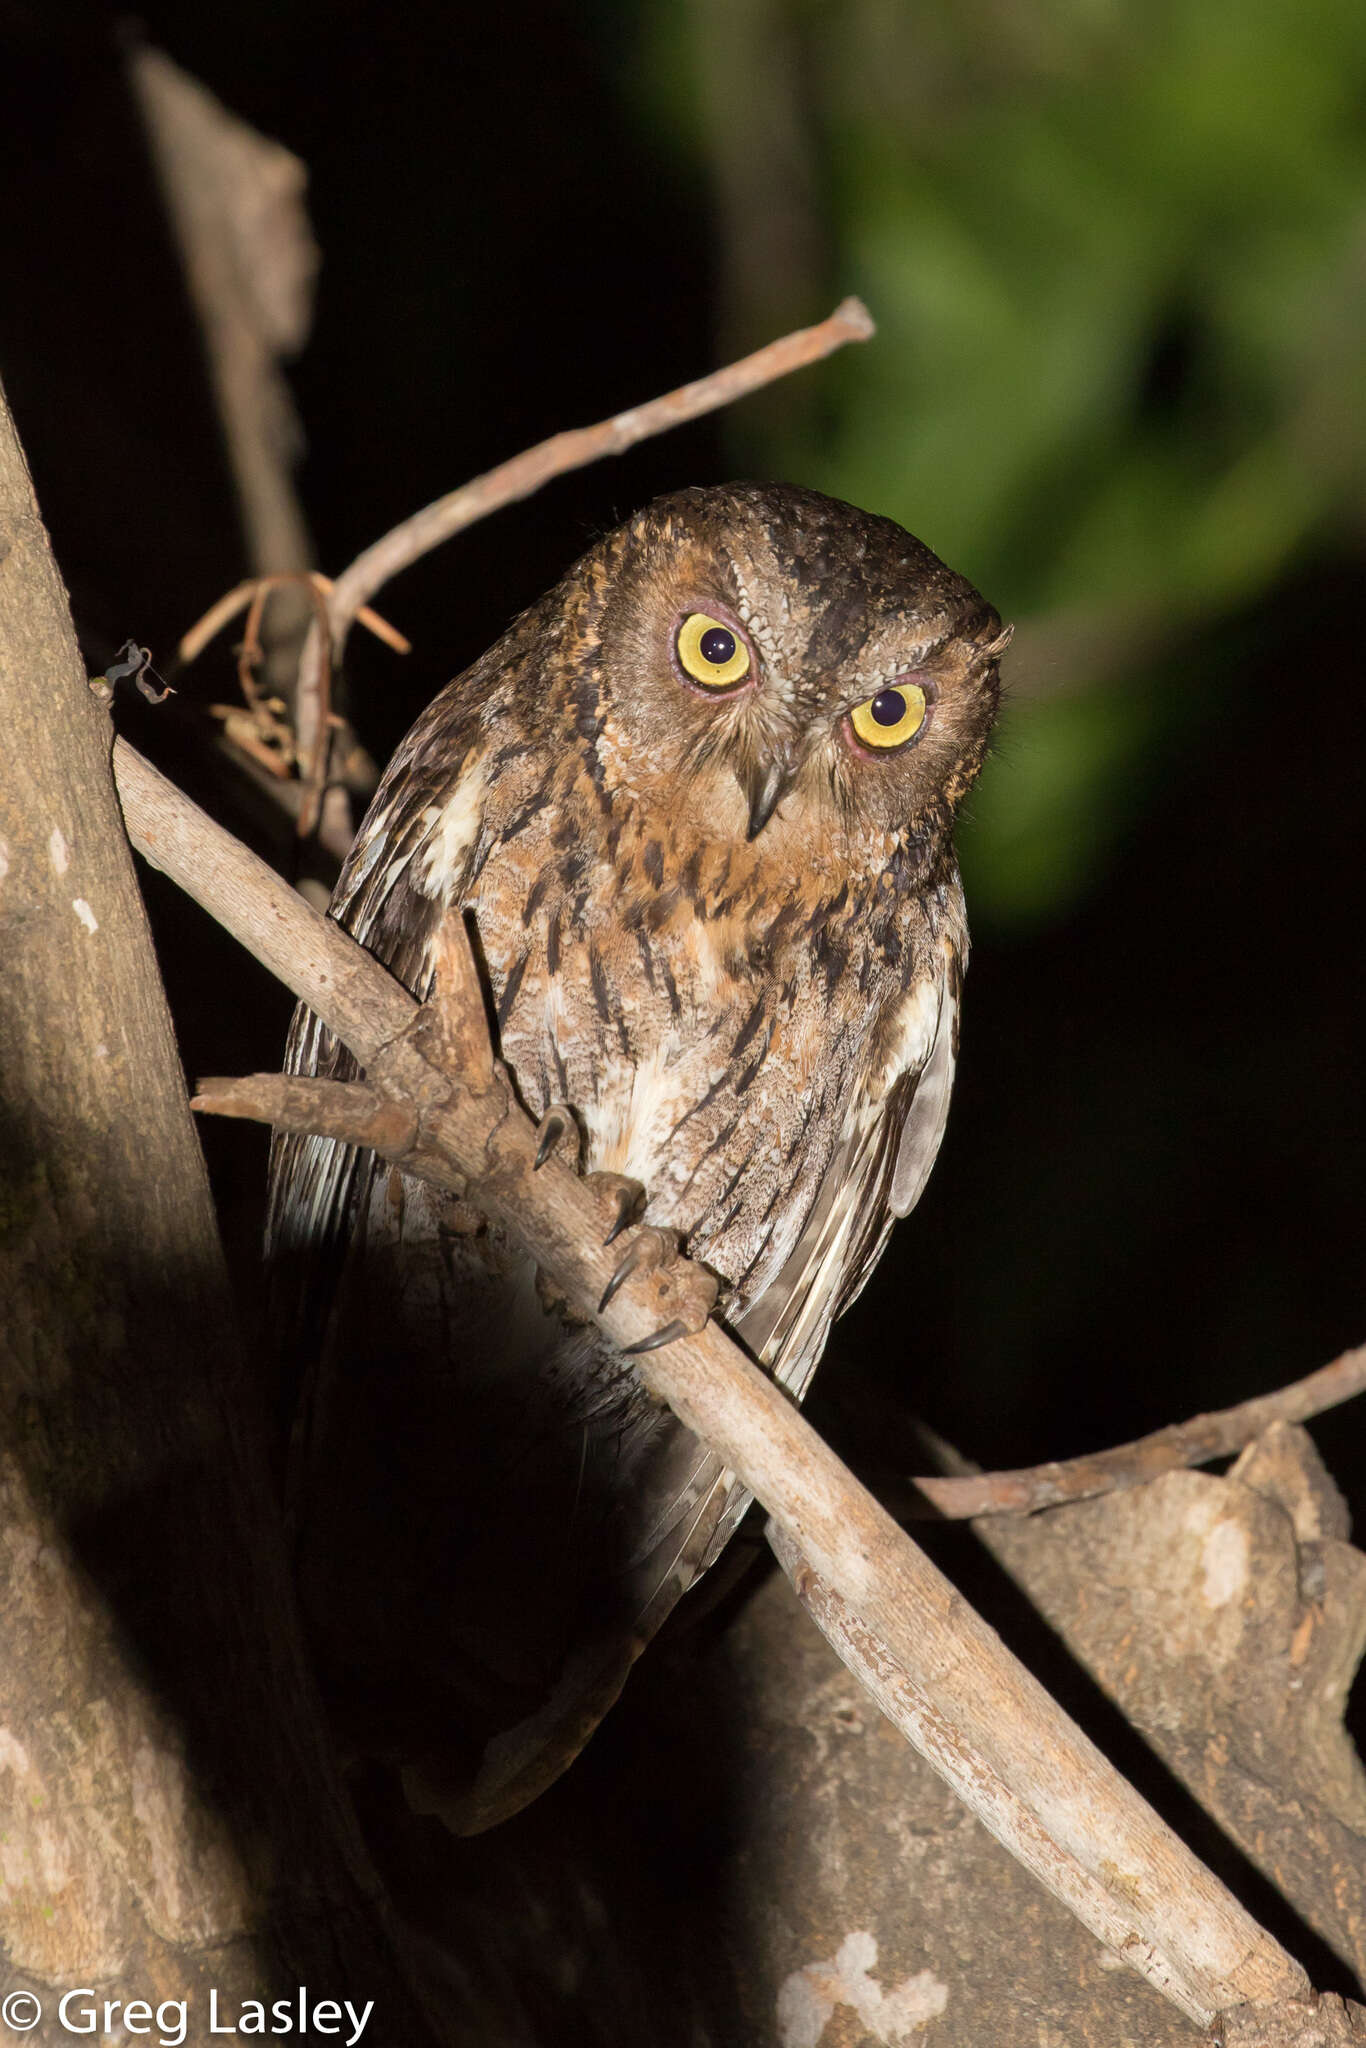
{"x": 888, "y": 707}
{"x": 717, "y": 646}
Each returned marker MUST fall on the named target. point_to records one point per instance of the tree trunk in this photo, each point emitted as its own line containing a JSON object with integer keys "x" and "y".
{"x": 169, "y": 1821}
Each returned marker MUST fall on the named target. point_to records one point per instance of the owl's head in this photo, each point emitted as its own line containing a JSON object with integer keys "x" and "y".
{"x": 782, "y": 666}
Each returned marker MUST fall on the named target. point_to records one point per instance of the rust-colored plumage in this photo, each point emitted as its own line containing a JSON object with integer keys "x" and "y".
{"x": 727, "y": 932}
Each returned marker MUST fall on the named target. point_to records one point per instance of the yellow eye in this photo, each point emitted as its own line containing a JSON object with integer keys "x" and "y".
{"x": 711, "y": 653}
{"x": 891, "y": 718}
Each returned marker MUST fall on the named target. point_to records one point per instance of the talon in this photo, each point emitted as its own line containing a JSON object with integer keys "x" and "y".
{"x": 628, "y": 1201}
{"x": 648, "y": 1249}
{"x": 670, "y": 1334}
{"x": 549, "y": 1131}
{"x": 620, "y": 1198}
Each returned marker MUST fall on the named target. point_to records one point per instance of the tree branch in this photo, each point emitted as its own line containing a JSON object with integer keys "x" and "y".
{"x": 1196, "y": 1442}
{"x": 235, "y": 203}
{"x": 984, "y": 1722}
{"x": 236, "y": 208}
{"x": 417, "y": 535}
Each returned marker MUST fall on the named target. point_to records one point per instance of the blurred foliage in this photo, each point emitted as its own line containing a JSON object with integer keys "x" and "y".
{"x": 1117, "y": 254}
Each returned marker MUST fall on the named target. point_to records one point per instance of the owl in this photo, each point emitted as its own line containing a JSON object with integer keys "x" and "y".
{"x": 696, "y": 808}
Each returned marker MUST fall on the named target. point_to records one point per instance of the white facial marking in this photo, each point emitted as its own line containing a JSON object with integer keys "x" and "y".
{"x": 85, "y": 914}
{"x": 58, "y": 851}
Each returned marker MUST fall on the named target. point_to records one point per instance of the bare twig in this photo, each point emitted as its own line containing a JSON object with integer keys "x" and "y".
{"x": 525, "y": 473}
{"x": 1204, "y": 1437}
{"x": 234, "y": 602}
{"x": 997, "y": 1737}
{"x": 236, "y": 205}
{"x": 257, "y": 906}
{"x": 260, "y": 738}
{"x": 328, "y": 1109}
{"x": 168, "y": 95}
{"x": 262, "y": 731}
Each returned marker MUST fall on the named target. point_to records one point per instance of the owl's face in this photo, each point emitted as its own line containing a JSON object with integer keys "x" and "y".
{"x": 785, "y": 668}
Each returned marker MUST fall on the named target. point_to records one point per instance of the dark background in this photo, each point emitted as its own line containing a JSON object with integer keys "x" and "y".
{"x": 1119, "y": 275}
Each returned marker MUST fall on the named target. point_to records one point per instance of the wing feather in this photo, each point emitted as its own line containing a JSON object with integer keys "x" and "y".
{"x": 877, "y": 1174}
{"x": 316, "y": 1184}
{"x": 878, "y": 1171}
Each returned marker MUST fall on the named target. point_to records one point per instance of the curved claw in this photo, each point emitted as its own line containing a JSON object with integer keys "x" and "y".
{"x": 628, "y": 1201}
{"x": 549, "y": 1131}
{"x": 645, "y": 1250}
{"x": 670, "y": 1334}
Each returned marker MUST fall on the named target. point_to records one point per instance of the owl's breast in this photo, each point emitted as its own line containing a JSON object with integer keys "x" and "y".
{"x": 707, "y": 1030}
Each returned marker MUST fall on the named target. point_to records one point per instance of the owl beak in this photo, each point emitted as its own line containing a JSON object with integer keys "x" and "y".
{"x": 765, "y": 784}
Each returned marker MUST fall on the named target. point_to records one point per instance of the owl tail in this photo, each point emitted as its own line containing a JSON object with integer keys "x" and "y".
{"x": 523, "y": 1761}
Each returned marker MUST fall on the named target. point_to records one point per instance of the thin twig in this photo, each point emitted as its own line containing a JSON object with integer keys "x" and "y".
{"x": 234, "y": 602}
{"x": 261, "y": 731}
{"x": 574, "y": 449}
{"x": 1204, "y": 1437}
{"x": 1000, "y": 1741}
{"x": 235, "y": 201}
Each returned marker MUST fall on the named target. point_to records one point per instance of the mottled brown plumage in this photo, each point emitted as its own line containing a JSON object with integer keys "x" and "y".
{"x": 728, "y": 934}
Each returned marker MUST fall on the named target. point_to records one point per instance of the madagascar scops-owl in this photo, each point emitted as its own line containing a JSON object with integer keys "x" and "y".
{"x": 697, "y": 806}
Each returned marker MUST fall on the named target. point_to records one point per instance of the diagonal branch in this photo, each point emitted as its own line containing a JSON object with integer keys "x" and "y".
{"x": 525, "y": 473}
{"x": 1203, "y": 1438}
{"x": 983, "y": 1721}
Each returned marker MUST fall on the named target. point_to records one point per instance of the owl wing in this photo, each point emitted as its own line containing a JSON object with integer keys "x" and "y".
{"x": 689, "y": 1504}
{"x": 889, "y": 1144}
{"x": 316, "y": 1184}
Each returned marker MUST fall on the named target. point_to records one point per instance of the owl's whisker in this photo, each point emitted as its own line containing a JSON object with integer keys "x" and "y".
{"x": 717, "y": 743}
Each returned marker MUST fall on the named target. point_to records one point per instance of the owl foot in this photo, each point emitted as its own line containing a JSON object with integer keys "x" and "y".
{"x": 650, "y": 1249}
{"x": 619, "y": 1202}
{"x": 557, "y": 1123}
{"x": 679, "y": 1285}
